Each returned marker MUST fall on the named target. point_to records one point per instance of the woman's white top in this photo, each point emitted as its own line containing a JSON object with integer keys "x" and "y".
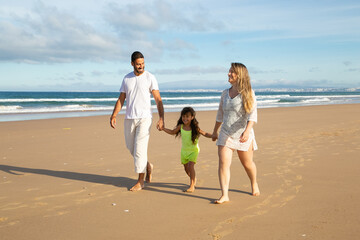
{"x": 234, "y": 120}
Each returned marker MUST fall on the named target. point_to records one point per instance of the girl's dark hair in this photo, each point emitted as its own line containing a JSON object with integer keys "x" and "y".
{"x": 194, "y": 123}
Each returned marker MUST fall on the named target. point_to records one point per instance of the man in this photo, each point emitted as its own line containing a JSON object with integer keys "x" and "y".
{"x": 136, "y": 88}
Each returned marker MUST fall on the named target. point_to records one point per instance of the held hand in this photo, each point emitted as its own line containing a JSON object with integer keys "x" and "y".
{"x": 113, "y": 122}
{"x": 160, "y": 125}
{"x": 244, "y": 136}
{"x": 214, "y": 136}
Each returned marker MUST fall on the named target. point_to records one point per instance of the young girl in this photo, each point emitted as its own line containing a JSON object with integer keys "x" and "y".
{"x": 188, "y": 127}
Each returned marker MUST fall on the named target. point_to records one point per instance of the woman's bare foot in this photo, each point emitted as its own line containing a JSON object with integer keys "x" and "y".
{"x": 137, "y": 187}
{"x": 255, "y": 190}
{"x": 149, "y": 170}
{"x": 191, "y": 189}
{"x": 222, "y": 200}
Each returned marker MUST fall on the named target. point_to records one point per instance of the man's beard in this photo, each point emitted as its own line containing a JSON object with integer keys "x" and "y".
{"x": 139, "y": 71}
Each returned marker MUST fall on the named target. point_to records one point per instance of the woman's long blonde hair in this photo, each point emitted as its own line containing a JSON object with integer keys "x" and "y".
{"x": 244, "y": 85}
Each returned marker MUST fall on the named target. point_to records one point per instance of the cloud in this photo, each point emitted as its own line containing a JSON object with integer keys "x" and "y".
{"x": 347, "y": 63}
{"x": 314, "y": 69}
{"x": 97, "y": 73}
{"x": 49, "y": 35}
{"x": 151, "y": 26}
{"x": 80, "y": 86}
{"x": 253, "y": 70}
{"x": 264, "y": 20}
{"x": 179, "y": 45}
{"x": 191, "y": 85}
{"x": 79, "y": 75}
{"x": 192, "y": 70}
{"x": 136, "y": 21}
{"x": 286, "y": 83}
{"x": 352, "y": 70}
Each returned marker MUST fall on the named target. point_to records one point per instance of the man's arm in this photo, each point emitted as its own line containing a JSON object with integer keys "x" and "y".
{"x": 118, "y": 106}
{"x": 156, "y": 94}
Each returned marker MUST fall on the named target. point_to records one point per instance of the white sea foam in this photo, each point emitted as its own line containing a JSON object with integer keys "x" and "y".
{"x": 192, "y": 90}
{"x": 323, "y": 99}
{"x": 10, "y": 100}
{"x": 7, "y": 109}
{"x": 29, "y": 100}
{"x": 272, "y": 96}
{"x": 318, "y": 96}
{"x": 190, "y": 98}
{"x": 66, "y": 108}
{"x": 307, "y": 90}
{"x": 200, "y": 105}
{"x": 49, "y": 105}
{"x": 268, "y": 101}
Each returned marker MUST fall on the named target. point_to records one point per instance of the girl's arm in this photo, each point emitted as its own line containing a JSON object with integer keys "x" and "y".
{"x": 205, "y": 134}
{"x": 172, "y": 132}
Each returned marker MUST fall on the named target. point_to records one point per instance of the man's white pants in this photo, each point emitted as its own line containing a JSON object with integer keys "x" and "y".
{"x": 137, "y": 133}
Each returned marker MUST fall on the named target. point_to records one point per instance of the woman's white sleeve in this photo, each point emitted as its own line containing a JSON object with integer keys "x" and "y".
{"x": 220, "y": 114}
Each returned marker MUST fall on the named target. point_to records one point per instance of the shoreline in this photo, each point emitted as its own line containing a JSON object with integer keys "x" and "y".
{"x": 15, "y": 117}
{"x": 68, "y": 178}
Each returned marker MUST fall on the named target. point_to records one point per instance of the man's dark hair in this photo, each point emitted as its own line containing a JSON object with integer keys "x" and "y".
{"x": 136, "y": 55}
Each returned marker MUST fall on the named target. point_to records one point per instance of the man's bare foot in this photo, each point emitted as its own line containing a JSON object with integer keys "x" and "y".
{"x": 137, "y": 187}
{"x": 191, "y": 189}
{"x": 255, "y": 190}
{"x": 149, "y": 170}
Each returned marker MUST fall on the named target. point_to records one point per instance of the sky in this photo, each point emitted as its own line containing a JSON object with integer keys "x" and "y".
{"x": 85, "y": 45}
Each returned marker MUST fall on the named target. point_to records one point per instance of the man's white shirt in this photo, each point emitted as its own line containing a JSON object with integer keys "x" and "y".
{"x": 138, "y": 94}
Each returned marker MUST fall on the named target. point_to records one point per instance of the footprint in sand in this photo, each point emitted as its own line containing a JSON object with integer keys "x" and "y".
{"x": 56, "y": 208}
{"x": 57, "y": 214}
{"x": 13, "y": 206}
{"x": 41, "y": 204}
{"x": 6, "y": 182}
{"x": 59, "y": 195}
{"x": 13, "y": 223}
{"x": 199, "y": 182}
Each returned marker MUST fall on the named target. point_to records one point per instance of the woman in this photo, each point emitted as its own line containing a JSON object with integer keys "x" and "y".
{"x": 236, "y": 115}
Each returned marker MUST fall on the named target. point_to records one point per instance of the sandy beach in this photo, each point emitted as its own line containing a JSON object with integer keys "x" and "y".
{"x": 69, "y": 179}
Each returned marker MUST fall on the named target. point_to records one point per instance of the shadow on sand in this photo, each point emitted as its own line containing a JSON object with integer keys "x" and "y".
{"x": 161, "y": 187}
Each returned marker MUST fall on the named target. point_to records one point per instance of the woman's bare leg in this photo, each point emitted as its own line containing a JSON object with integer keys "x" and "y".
{"x": 225, "y": 157}
{"x": 246, "y": 158}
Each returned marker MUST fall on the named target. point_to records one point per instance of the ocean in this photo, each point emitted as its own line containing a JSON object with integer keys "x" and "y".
{"x": 18, "y": 106}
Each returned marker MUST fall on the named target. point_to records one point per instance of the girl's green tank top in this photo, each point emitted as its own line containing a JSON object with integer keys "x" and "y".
{"x": 187, "y": 143}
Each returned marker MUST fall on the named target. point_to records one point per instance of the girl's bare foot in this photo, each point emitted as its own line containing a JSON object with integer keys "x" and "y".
{"x": 255, "y": 190}
{"x": 137, "y": 187}
{"x": 222, "y": 200}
